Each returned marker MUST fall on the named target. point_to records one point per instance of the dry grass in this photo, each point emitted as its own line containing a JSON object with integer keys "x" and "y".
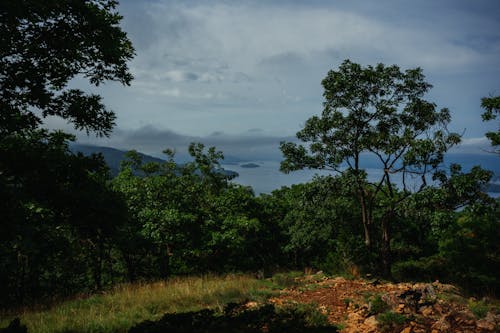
{"x": 129, "y": 304}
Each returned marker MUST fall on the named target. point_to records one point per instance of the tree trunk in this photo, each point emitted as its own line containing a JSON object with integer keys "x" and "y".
{"x": 98, "y": 259}
{"x": 165, "y": 254}
{"x": 386, "y": 229}
{"x": 385, "y": 250}
{"x": 366, "y": 219}
{"x": 129, "y": 263}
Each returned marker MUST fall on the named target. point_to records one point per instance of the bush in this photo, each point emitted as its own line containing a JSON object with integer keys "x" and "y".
{"x": 377, "y": 305}
{"x": 423, "y": 269}
{"x": 478, "y": 308}
{"x": 391, "y": 321}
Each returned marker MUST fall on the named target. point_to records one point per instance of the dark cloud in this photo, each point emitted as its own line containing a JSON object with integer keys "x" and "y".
{"x": 252, "y": 145}
{"x": 149, "y": 139}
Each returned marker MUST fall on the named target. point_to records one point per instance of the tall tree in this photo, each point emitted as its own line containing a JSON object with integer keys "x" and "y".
{"x": 45, "y": 191}
{"x": 381, "y": 112}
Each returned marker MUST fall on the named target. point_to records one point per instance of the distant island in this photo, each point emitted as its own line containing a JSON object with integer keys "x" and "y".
{"x": 249, "y": 165}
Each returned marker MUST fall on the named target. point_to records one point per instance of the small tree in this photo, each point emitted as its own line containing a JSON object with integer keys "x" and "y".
{"x": 378, "y": 111}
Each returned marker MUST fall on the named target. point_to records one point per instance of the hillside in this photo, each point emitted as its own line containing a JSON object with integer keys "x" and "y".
{"x": 291, "y": 302}
{"x": 112, "y": 156}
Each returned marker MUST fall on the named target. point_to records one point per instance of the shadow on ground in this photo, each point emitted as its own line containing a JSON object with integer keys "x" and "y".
{"x": 237, "y": 318}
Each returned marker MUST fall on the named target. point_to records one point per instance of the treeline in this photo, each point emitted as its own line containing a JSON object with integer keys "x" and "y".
{"x": 68, "y": 230}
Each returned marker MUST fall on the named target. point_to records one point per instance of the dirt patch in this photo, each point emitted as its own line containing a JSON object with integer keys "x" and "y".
{"x": 374, "y": 306}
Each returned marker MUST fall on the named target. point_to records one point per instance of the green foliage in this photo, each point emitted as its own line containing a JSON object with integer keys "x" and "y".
{"x": 126, "y": 305}
{"x": 44, "y": 46}
{"x": 390, "y": 321}
{"x": 492, "y": 110}
{"x": 316, "y": 223}
{"x": 376, "y": 305}
{"x": 58, "y": 213}
{"x": 191, "y": 216}
{"x": 478, "y": 308}
{"x": 471, "y": 248}
{"x": 423, "y": 269}
{"x": 377, "y": 111}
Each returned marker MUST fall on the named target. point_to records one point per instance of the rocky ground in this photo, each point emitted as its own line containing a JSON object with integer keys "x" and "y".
{"x": 371, "y": 306}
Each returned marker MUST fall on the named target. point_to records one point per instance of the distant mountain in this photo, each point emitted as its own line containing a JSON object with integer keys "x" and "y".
{"x": 114, "y": 157}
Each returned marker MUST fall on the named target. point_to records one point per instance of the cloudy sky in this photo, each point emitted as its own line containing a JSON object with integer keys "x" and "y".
{"x": 243, "y": 75}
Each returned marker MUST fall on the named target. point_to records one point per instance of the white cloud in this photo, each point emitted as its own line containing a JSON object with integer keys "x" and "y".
{"x": 477, "y": 145}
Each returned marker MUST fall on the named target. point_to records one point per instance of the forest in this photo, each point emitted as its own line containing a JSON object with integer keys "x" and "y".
{"x": 69, "y": 228}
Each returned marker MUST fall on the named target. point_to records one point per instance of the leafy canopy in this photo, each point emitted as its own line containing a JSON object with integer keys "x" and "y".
{"x": 45, "y": 44}
{"x": 378, "y": 110}
{"x": 492, "y": 110}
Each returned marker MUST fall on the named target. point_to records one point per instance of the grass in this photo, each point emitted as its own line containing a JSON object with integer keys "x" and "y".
{"x": 375, "y": 302}
{"x": 287, "y": 280}
{"x": 478, "y": 308}
{"x": 130, "y": 304}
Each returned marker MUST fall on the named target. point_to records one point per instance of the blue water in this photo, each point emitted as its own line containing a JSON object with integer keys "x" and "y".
{"x": 267, "y": 177}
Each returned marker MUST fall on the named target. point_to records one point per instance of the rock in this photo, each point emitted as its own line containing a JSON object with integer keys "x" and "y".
{"x": 406, "y": 330}
{"x": 488, "y": 323}
{"x": 438, "y": 308}
{"x": 371, "y": 323}
{"x": 251, "y": 305}
{"x": 463, "y": 318}
{"x": 354, "y": 317}
{"x": 441, "y": 325}
{"x": 426, "y": 311}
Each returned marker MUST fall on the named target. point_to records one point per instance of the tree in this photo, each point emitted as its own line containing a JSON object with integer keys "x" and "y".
{"x": 45, "y": 44}
{"x": 48, "y": 195}
{"x": 492, "y": 107}
{"x": 375, "y": 112}
{"x": 315, "y": 219}
{"x": 174, "y": 207}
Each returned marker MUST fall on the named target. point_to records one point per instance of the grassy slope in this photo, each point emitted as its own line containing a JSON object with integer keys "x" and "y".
{"x": 127, "y": 305}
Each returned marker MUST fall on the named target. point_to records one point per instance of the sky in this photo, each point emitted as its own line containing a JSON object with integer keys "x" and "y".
{"x": 245, "y": 75}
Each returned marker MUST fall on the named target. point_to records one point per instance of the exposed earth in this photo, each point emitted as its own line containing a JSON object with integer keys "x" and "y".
{"x": 372, "y": 306}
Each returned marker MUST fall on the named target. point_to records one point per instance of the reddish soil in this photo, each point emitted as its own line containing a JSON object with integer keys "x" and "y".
{"x": 372, "y": 306}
